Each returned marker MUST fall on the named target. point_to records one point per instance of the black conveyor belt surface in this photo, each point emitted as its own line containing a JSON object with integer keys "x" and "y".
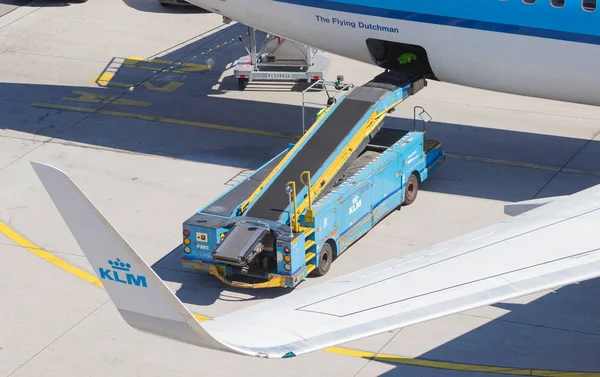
{"x": 225, "y": 205}
{"x": 274, "y": 200}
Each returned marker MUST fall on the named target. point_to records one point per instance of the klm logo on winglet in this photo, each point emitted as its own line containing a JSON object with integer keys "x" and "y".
{"x": 118, "y": 267}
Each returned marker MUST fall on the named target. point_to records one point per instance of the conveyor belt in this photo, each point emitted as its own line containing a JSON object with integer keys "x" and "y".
{"x": 345, "y": 118}
{"x": 225, "y": 205}
{"x": 315, "y": 152}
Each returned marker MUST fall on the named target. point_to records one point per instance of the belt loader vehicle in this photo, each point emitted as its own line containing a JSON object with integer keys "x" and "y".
{"x": 306, "y": 206}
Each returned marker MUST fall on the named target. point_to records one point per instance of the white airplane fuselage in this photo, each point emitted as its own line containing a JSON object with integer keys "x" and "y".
{"x": 509, "y": 46}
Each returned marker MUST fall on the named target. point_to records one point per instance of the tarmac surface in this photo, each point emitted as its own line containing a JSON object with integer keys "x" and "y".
{"x": 151, "y": 156}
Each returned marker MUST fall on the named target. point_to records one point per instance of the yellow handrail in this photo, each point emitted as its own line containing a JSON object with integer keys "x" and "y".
{"x": 294, "y": 214}
{"x": 309, "y": 216}
{"x": 307, "y": 183}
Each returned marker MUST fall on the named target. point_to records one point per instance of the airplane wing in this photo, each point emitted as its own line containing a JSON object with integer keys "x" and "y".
{"x": 552, "y": 245}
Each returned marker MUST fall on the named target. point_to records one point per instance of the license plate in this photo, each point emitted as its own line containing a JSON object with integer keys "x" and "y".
{"x": 279, "y": 76}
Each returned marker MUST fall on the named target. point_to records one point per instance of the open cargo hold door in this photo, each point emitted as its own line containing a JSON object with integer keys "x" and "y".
{"x": 405, "y": 58}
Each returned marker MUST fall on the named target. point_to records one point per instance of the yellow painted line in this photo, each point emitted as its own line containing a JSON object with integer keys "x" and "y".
{"x": 31, "y": 247}
{"x": 168, "y": 88}
{"x": 165, "y": 120}
{"x": 502, "y": 162}
{"x": 462, "y": 367}
{"x": 193, "y": 67}
{"x": 527, "y": 165}
{"x": 201, "y": 318}
{"x": 350, "y": 352}
{"x": 104, "y": 78}
{"x": 581, "y": 172}
{"x": 120, "y": 84}
{"x": 134, "y": 62}
{"x": 522, "y": 164}
{"x": 87, "y": 97}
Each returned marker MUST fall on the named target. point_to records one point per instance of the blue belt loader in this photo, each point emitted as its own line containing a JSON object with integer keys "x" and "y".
{"x": 306, "y": 206}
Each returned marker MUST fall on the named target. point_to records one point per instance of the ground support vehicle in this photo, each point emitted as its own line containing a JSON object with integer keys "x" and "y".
{"x": 279, "y": 59}
{"x": 268, "y": 231}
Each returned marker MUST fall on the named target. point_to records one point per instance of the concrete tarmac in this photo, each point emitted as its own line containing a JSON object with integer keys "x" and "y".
{"x": 151, "y": 142}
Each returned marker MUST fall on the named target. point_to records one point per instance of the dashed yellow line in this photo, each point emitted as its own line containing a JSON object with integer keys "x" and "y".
{"x": 165, "y": 120}
{"x": 103, "y": 79}
{"x": 33, "y": 248}
{"x": 402, "y": 360}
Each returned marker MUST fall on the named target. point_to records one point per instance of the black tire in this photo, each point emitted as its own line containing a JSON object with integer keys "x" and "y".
{"x": 242, "y": 83}
{"x": 411, "y": 190}
{"x": 325, "y": 258}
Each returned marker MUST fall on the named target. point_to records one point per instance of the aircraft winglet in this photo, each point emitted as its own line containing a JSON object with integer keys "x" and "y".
{"x": 141, "y": 297}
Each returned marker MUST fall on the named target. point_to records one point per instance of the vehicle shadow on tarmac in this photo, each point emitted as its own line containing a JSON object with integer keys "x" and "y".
{"x": 22, "y": 2}
{"x": 556, "y": 332}
{"x": 212, "y": 290}
{"x": 155, "y": 7}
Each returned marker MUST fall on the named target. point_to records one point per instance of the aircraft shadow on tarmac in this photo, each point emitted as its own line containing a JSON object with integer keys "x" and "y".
{"x": 141, "y": 5}
{"x": 34, "y": 3}
{"x": 177, "y": 98}
{"x": 557, "y": 332}
{"x": 154, "y": 7}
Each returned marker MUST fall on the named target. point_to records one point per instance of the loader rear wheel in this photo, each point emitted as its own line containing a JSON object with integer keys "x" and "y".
{"x": 411, "y": 190}
{"x": 325, "y": 258}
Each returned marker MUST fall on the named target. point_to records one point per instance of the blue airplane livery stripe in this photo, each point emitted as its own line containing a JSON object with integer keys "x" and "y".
{"x": 512, "y": 16}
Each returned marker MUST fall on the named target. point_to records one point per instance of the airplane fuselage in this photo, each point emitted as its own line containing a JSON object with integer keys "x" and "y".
{"x": 510, "y": 46}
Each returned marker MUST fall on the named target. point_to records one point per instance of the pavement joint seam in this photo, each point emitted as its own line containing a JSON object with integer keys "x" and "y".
{"x": 57, "y": 338}
{"x": 22, "y": 17}
{"x": 566, "y": 164}
{"x": 500, "y": 319}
